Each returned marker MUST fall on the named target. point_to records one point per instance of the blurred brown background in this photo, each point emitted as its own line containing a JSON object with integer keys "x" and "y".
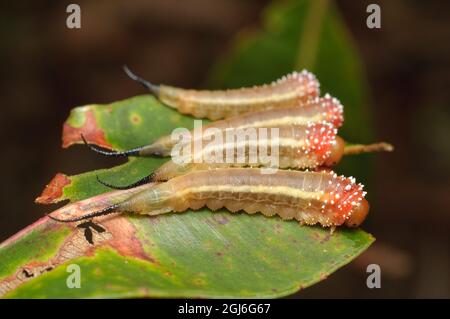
{"x": 47, "y": 69}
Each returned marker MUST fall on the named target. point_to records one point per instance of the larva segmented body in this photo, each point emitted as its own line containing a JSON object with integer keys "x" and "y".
{"x": 289, "y": 91}
{"x": 296, "y": 147}
{"x": 316, "y": 110}
{"x": 308, "y": 197}
{"x": 327, "y": 109}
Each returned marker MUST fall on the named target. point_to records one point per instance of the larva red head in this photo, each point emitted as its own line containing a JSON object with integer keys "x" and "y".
{"x": 345, "y": 201}
{"x": 336, "y": 153}
{"x": 358, "y": 215}
{"x": 320, "y": 141}
{"x": 333, "y": 109}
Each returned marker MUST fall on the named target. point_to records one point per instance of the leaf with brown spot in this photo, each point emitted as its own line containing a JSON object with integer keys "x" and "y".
{"x": 159, "y": 256}
{"x": 192, "y": 254}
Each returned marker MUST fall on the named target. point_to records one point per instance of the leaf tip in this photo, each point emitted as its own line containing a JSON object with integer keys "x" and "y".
{"x": 53, "y": 192}
{"x": 89, "y": 128}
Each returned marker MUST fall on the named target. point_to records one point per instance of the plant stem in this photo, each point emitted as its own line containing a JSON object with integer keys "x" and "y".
{"x": 354, "y": 149}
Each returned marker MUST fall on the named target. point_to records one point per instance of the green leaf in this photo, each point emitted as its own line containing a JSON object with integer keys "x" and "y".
{"x": 194, "y": 254}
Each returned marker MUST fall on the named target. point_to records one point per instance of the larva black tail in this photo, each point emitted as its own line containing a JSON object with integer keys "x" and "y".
{"x": 132, "y": 152}
{"x": 106, "y": 211}
{"x": 154, "y": 89}
{"x": 142, "y": 181}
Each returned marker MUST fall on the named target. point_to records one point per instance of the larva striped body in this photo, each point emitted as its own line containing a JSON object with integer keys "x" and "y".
{"x": 296, "y": 147}
{"x": 308, "y": 197}
{"x": 291, "y": 90}
{"x": 316, "y": 110}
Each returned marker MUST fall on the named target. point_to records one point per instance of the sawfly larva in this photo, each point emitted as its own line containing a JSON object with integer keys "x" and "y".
{"x": 317, "y": 110}
{"x": 308, "y": 197}
{"x": 297, "y": 147}
{"x": 291, "y": 90}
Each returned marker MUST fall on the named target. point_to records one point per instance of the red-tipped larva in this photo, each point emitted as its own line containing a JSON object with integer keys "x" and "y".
{"x": 308, "y": 197}
{"x": 296, "y": 147}
{"x": 317, "y": 110}
{"x": 289, "y": 91}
